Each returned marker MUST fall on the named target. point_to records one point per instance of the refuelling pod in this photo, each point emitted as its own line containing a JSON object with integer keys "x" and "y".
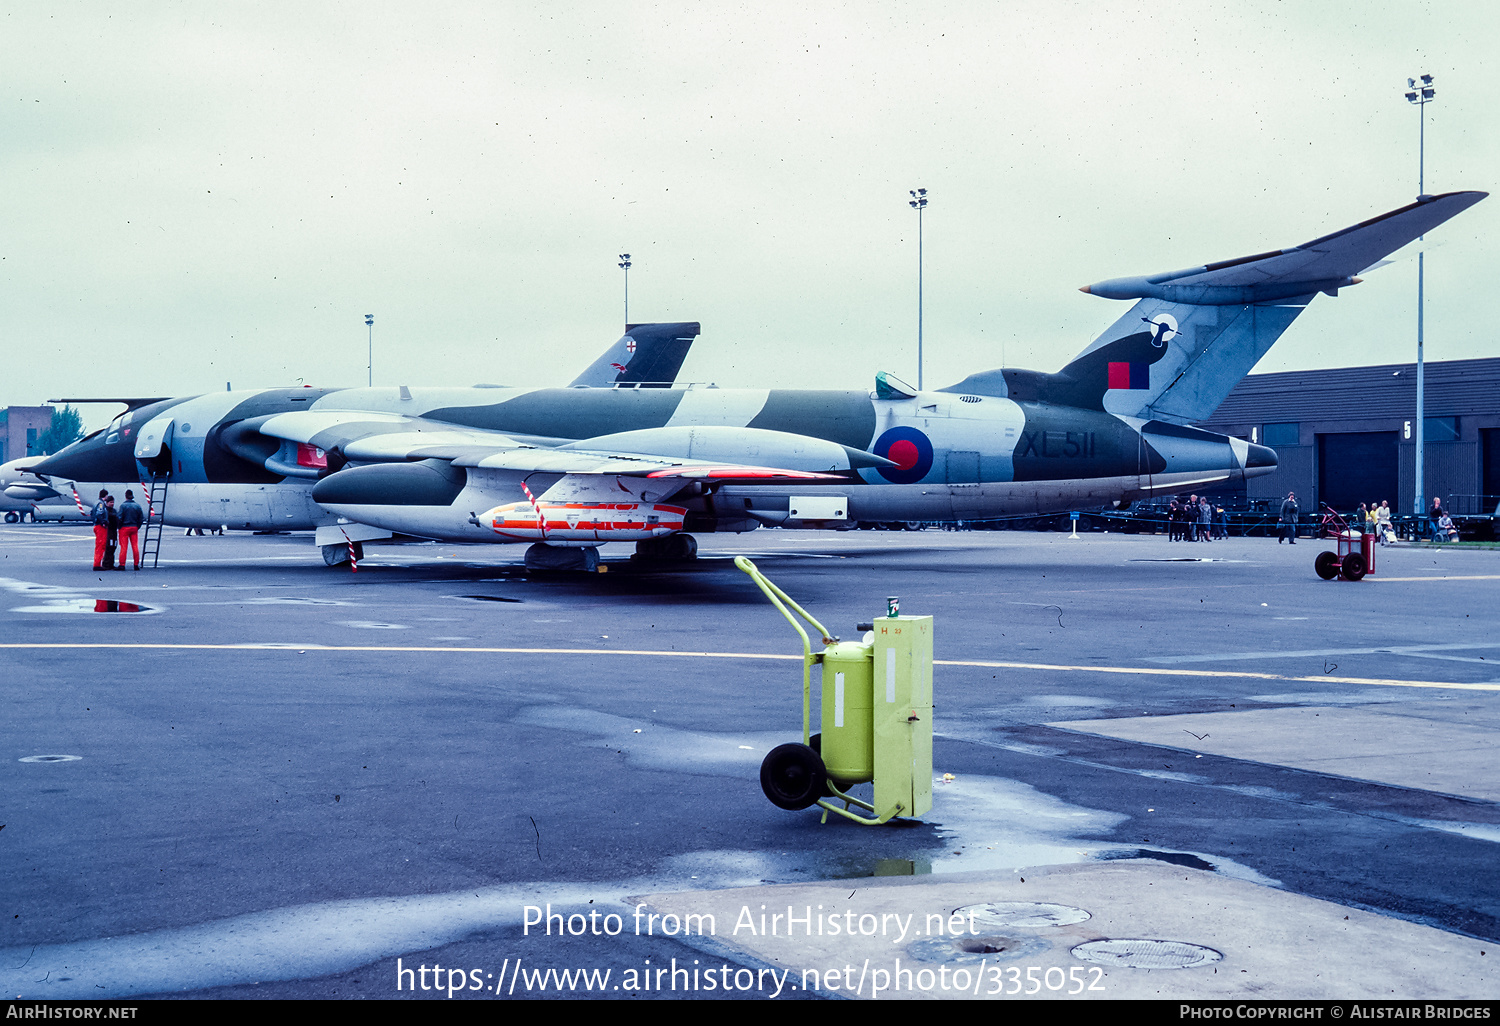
{"x": 584, "y": 523}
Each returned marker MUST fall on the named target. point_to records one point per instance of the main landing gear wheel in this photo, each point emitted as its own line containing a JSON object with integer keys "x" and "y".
{"x": 1352, "y": 567}
{"x": 556, "y": 557}
{"x": 12, "y": 517}
{"x": 674, "y": 548}
{"x": 1327, "y": 565}
{"x": 792, "y": 776}
{"x": 337, "y": 555}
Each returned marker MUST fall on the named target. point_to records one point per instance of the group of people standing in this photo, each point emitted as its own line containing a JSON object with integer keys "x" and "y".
{"x": 1195, "y": 520}
{"x": 1377, "y": 521}
{"x": 117, "y": 528}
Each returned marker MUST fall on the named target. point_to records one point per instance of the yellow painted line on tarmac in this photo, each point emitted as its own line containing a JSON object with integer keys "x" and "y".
{"x": 255, "y": 646}
{"x": 252, "y": 646}
{"x": 1323, "y": 678}
{"x": 1436, "y": 577}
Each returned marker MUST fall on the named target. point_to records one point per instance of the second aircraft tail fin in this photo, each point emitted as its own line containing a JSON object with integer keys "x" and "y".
{"x": 645, "y": 354}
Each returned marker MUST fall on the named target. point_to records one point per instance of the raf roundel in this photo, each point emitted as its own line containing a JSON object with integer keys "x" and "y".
{"x": 909, "y": 449}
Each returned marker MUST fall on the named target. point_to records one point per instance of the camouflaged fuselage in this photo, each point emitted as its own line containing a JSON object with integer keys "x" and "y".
{"x": 956, "y": 455}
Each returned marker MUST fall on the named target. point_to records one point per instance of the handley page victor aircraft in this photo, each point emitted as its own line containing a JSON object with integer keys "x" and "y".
{"x": 568, "y": 468}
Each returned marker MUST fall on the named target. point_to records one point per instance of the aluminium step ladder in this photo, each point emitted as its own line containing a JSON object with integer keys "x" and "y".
{"x": 156, "y": 508}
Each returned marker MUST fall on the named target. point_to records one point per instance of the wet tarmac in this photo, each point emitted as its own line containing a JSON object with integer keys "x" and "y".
{"x": 288, "y": 777}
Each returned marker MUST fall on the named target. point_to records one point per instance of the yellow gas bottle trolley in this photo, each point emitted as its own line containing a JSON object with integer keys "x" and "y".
{"x": 876, "y": 718}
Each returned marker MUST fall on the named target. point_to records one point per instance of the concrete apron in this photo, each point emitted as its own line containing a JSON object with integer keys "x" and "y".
{"x": 1227, "y": 939}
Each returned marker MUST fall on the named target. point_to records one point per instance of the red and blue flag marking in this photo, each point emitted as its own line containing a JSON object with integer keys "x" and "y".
{"x": 1130, "y": 375}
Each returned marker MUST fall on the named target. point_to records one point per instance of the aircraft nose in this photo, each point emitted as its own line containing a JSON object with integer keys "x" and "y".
{"x": 89, "y": 459}
{"x": 1260, "y": 456}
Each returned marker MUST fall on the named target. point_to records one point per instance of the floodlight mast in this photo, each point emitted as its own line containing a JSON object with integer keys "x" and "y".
{"x": 625, "y": 266}
{"x": 919, "y": 203}
{"x": 370, "y": 345}
{"x": 1420, "y": 95}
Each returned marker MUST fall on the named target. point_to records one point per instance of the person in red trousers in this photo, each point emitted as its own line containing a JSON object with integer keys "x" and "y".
{"x": 101, "y": 514}
{"x": 131, "y": 519}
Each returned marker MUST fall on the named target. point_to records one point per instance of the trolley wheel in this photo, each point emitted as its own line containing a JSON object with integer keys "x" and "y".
{"x": 792, "y": 776}
{"x": 1327, "y": 565}
{"x": 1353, "y": 567}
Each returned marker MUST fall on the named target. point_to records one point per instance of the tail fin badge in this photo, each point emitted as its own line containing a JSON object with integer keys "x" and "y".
{"x": 1163, "y": 330}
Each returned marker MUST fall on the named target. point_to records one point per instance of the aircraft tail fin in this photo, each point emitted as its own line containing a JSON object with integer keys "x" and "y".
{"x": 1193, "y": 334}
{"x": 645, "y": 354}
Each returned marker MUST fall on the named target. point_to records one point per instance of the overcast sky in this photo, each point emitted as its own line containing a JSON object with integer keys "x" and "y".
{"x": 200, "y": 193}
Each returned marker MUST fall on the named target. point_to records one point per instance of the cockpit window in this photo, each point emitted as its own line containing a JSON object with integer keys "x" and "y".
{"x": 114, "y": 429}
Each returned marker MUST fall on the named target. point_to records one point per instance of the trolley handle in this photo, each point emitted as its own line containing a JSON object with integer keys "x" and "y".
{"x": 781, "y": 600}
{"x": 1340, "y": 525}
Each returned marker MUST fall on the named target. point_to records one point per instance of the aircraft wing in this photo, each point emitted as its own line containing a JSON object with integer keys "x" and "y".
{"x": 537, "y": 460}
{"x": 364, "y": 436}
{"x": 360, "y": 436}
{"x": 380, "y": 459}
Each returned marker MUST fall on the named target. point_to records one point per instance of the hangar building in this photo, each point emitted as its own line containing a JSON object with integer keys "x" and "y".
{"x": 1346, "y": 436}
{"x": 20, "y": 427}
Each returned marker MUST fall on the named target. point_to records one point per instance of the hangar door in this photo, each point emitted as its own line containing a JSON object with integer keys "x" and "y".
{"x": 1489, "y": 483}
{"x": 1357, "y": 467}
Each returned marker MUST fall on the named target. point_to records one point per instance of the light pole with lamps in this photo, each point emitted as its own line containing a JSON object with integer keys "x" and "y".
{"x": 1420, "y": 95}
{"x": 919, "y": 203}
{"x": 370, "y": 343}
{"x": 625, "y": 266}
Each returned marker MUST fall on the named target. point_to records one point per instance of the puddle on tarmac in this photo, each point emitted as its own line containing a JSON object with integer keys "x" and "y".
{"x": 55, "y": 599}
{"x": 1478, "y": 831}
{"x": 977, "y": 822}
{"x": 1176, "y": 858}
{"x": 88, "y": 605}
